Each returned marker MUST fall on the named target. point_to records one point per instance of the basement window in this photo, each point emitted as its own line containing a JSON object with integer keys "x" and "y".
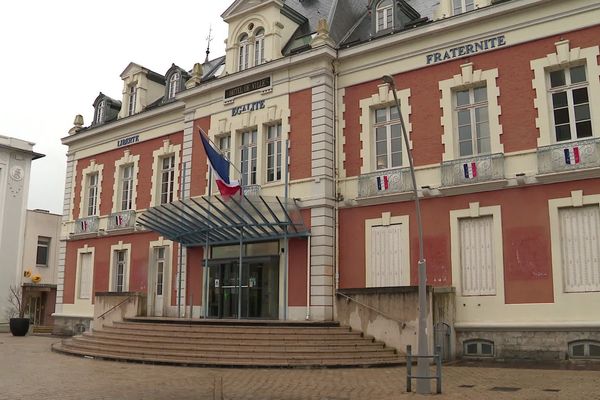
{"x": 584, "y": 349}
{"x": 478, "y": 348}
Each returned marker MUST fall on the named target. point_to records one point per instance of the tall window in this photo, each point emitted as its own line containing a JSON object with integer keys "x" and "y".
{"x": 167, "y": 183}
{"x": 127, "y": 187}
{"x": 43, "y": 245}
{"x": 385, "y": 19}
{"x": 570, "y": 103}
{"x": 274, "y": 159}
{"x": 120, "y": 270}
{"x": 92, "y": 194}
{"x": 85, "y": 276}
{"x": 259, "y": 47}
{"x": 225, "y": 146}
{"x": 472, "y": 122}
{"x": 388, "y": 138}
{"x": 461, "y": 6}
{"x": 174, "y": 85}
{"x": 132, "y": 100}
{"x": 580, "y": 248}
{"x": 248, "y": 152}
{"x": 100, "y": 110}
{"x": 244, "y": 49}
{"x": 160, "y": 270}
{"x": 478, "y": 271}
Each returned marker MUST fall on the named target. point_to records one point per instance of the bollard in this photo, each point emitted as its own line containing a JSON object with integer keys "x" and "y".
{"x": 438, "y": 369}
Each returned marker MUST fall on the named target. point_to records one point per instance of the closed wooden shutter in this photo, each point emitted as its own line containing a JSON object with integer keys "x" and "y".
{"x": 387, "y": 255}
{"x": 85, "y": 276}
{"x": 580, "y": 246}
{"x": 477, "y": 256}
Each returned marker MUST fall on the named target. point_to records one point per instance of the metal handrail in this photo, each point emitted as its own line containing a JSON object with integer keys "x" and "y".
{"x": 115, "y": 307}
{"x": 371, "y": 308}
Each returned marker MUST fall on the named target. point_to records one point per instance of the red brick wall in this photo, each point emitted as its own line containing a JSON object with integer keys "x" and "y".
{"x": 301, "y": 134}
{"x": 199, "y": 163}
{"x": 526, "y": 238}
{"x": 516, "y": 99}
{"x": 108, "y": 159}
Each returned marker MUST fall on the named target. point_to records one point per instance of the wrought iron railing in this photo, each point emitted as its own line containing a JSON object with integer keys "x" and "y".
{"x": 251, "y": 190}
{"x": 483, "y": 168}
{"x": 121, "y": 220}
{"x": 86, "y": 225}
{"x": 569, "y": 156}
{"x": 384, "y": 182}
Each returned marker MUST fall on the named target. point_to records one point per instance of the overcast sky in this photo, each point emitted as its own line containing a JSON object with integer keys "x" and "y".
{"x": 56, "y": 56}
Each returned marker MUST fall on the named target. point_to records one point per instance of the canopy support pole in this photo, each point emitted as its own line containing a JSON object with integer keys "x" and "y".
{"x": 239, "y": 313}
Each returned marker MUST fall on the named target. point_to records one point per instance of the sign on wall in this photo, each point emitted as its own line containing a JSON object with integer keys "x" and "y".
{"x": 248, "y": 87}
{"x": 128, "y": 140}
{"x": 467, "y": 49}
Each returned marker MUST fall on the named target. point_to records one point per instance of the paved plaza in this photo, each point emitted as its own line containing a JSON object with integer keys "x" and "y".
{"x": 30, "y": 371}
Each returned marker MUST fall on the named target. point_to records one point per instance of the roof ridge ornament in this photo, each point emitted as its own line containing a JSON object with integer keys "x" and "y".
{"x": 322, "y": 38}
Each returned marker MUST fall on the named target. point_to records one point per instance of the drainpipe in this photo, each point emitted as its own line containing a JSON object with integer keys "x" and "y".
{"x": 336, "y": 176}
{"x": 308, "y": 279}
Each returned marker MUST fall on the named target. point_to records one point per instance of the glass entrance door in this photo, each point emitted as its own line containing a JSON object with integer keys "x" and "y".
{"x": 259, "y": 288}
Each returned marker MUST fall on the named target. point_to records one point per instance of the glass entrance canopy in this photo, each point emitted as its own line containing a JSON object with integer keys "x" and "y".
{"x": 217, "y": 220}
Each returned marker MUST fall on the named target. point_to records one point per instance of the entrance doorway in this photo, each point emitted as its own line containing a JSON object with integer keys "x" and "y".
{"x": 256, "y": 295}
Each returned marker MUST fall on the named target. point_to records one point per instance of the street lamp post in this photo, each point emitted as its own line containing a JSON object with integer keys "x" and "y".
{"x": 423, "y": 385}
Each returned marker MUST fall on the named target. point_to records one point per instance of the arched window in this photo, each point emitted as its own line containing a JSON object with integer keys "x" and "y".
{"x": 259, "y": 46}
{"x": 174, "y": 85}
{"x": 100, "y": 110}
{"x": 586, "y": 349}
{"x": 385, "y": 18}
{"x": 243, "y": 59}
{"x": 478, "y": 348}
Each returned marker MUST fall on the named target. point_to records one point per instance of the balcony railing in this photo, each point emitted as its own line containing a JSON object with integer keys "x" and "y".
{"x": 121, "y": 220}
{"x": 484, "y": 168}
{"x": 251, "y": 190}
{"x": 569, "y": 156}
{"x": 384, "y": 182}
{"x": 86, "y": 225}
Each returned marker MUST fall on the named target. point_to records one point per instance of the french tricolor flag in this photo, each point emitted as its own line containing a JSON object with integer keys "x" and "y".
{"x": 572, "y": 156}
{"x": 84, "y": 226}
{"x": 470, "y": 170}
{"x": 383, "y": 182}
{"x": 118, "y": 220}
{"x": 220, "y": 167}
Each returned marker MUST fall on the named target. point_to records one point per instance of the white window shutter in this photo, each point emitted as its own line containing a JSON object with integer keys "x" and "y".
{"x": 477, "y": 256}
{"x": 580, "y": 247}
{"x": 387, "y": 255}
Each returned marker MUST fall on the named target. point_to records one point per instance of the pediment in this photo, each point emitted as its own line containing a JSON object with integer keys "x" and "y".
{"x": 240, "y": 7}
{"x": 131, "y": 69}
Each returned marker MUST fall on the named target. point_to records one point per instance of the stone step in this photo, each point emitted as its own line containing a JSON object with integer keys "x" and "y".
{"x": 300, "y": 330}
{"x": 218, "y": 353}
{"x": 219, "y": 362}
{"x": 241, "y": 334}
{"x": 229, "y": 347}
{"x": 232, "y": 340}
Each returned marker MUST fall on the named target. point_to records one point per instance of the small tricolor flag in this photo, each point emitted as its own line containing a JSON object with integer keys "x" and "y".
{"x": 118, "y": 220}
{"x": 220, "y": 167}
{"x": 572, "y": 155}
{"x": 383, "y": 182}
{"x": 84, "y": 226}
{"x": 470, "y": 170}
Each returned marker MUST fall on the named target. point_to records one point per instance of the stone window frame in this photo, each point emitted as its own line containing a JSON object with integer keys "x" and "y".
{"x": 127, "y": 159}
{"x": 475, "y": 211}
{"x": 469, "y": 78}
{"x": 386, "y": 219}
{"x": 383, "y": 98}
{"x": 586, "y": 343}
{"x": 382, "y": 11}
{"x": 564, "y": 56}
{"x": 576, "y": 199}
{"x": 167, "y": 149}
{"x": 83, "y": 203}
{"x": 120, "y": 246}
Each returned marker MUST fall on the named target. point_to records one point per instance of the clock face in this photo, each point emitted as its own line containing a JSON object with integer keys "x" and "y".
{"x": 17, "y": 173}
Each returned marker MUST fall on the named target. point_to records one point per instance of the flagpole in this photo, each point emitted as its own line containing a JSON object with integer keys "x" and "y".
{"x": 206, "y": 271}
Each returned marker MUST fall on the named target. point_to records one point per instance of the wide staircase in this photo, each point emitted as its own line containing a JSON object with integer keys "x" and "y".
{"x": 231, "y": 343}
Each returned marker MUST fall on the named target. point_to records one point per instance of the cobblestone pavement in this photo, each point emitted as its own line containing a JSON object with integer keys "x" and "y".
{"x": 29, "y": 370}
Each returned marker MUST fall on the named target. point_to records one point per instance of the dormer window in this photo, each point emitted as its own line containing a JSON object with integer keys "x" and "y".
{"x": 461, "y": 6}
{"x": 259, "y": 47}
{"x": 100, "y": 111}
{"x": 385, "y": 15}
{"x": 174, "y": 85}
{"x": 244, "y": 50}
{"x": 132, "y": 100}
